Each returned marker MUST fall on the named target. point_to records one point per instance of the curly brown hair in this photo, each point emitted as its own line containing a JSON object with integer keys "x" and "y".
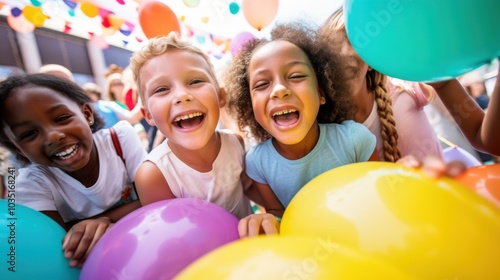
{"x": 334, "y": 32}
{"x": 327, "y": 65}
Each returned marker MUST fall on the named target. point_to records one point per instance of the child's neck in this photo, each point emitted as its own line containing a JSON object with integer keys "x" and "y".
{"x": 364, "y": 104}
{"x": 89, "y": 174}
{"x": 201, "y": 160}
{"x": 301, "y": 149}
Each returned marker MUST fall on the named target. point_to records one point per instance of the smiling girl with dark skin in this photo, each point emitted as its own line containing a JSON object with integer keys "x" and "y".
{"x": 73, "y": 173}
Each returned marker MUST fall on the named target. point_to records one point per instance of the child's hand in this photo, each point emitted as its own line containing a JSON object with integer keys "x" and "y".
{"x": 434, "y": 166}
{"x": 82, "y": 237}
{"x": 255, "y": 224}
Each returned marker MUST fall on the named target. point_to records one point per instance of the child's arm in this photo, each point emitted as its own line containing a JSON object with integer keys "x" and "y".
{"x": 82, "y": 237}
{"x": 434, "y": 166}
{"x": 267, "y": 223}
{"x": 478, "y": 127}
{"x": 119, "y": 212}
{"x": 151, "y": 185}
{"x": 374, "y": 156}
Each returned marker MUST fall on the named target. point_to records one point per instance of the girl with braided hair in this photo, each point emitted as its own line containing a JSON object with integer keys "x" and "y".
{"x": 391, "y": 109}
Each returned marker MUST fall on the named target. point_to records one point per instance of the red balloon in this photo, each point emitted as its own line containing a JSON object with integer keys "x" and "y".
{"x": 483, "y": 180}
{"x": 157, "y": 19}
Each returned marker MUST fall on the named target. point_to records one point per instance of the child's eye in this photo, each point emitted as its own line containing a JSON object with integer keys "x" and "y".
{"x": 62, "y": 118}
{"x": 260, "y": 85}
{"x": 297, "y": 76}
{"x": 196, "y": 81}
{"x": 27, "y": 134}
{"x": 160, "y": 89}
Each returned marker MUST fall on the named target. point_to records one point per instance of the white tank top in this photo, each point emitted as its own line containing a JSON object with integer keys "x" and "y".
{"x": 222, "y": 185}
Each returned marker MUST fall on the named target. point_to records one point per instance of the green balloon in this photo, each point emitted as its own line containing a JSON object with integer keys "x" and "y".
{"x": 424, "y": 40}
{"x": 31, "y": 245}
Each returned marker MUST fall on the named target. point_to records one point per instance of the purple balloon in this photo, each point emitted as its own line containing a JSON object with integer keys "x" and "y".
{"x": 457, "y": 153}
{"x": 239, "y": 41}
{"x": 158, "y": 240}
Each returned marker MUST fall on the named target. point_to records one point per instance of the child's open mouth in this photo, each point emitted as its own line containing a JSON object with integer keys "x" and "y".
{"x": 189, "y": 120}
{"x": 286, "y": 117}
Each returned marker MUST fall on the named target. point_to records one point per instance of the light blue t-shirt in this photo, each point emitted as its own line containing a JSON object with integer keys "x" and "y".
{"x": 338, "y": 144}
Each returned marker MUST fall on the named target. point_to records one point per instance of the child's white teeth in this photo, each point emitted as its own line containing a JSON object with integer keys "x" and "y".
{"x": 69, "y": 152}
{"x": 284, "y": 112}
{"x": 188, "y": 116}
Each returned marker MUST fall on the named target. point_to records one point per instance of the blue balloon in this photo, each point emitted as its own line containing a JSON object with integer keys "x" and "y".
{"x": 425, "y": 40}
{"x": 31, "y": 245}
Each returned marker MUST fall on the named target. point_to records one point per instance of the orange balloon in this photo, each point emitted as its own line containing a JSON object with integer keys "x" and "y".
{"x": 483, "y": 180}
{"x": 259, "y": 13}
{"x": 89, "y": 9}
{"x": 157, "y": 19}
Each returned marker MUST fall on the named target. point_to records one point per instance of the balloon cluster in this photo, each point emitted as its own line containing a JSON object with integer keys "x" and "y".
{"x": 371, "y": 220}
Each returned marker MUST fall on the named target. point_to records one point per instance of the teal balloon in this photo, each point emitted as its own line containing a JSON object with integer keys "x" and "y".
{"x": 424, "y": 40}
{"x": 31, "y": 245}
{"x": 234, "y": 8}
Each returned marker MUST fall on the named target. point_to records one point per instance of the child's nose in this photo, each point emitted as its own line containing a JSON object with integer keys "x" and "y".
{"x": 54, "y": 136}
{"x": 183, "y": 96}
{"x": 280, "y": 91}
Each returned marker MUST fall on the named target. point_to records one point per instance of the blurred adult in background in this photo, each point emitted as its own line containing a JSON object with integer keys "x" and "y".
{"x": 112, "y": 113}
{"x": 57, "y": 70}
{"x": 115, "y": 85}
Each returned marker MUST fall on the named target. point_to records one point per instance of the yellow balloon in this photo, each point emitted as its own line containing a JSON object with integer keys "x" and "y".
{"x": 34, "y": 15}
{"x": 432, "y": 228}
{"x": 288, "y": 257}
{"x": 89, "y": 9}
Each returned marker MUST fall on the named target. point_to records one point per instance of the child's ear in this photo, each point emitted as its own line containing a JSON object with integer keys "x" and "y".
{"x": 222, "y": 97}
{"x": 322, "y": 99}
{"x": 88, "y": 112}
{"x": 147, "y": 115}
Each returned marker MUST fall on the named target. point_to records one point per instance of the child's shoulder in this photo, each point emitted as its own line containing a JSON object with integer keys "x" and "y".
{"x": 231, "y": 138}
{"x": 344, "y": 125}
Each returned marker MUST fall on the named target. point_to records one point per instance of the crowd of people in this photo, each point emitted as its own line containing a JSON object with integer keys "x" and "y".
{"x": 301, "y": 100}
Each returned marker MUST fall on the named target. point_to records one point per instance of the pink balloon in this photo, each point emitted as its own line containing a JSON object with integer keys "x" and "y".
{"x": 158, "y": 240}
{"x": 20, "y": 24}
{"x": 239, "y": 41}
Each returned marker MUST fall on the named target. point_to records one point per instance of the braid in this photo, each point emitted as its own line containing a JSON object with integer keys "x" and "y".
{"x": 376, "y": 83}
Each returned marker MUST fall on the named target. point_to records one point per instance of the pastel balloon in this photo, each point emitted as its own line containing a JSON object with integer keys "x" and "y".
{"x": 457, "y": 153}
{"x": 424, "y": 40}
{"x": 157, "y": 19}
{"x": 158, "y": 240}
{"x": 20, "y": 24}
{"x": 288, "y": 257}
{"x": 483, "y": 180}
{"x": 191, "y": 3}
{"x": 239, "y": 41}
{"x": 431, "y": 228}
{"x": 31, "y": 245}
{"x": 259, "y": 13}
